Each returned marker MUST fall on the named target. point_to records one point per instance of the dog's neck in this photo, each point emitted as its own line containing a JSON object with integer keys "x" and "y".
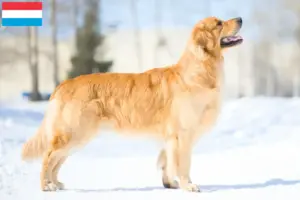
{"x": 202, "y": 69}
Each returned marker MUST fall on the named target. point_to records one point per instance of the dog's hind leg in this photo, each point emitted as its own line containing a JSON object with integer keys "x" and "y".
{"x": 51, "y": 159}
{"x": 82, "y": 121}
{"x": 56, "y": 169}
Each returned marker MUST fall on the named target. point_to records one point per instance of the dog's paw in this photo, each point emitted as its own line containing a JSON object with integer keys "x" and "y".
{"x": 172, "y": 185}
{"x": 50, "y": 186}
{"x": 169, "y": 184}
{"x": 191, "y": 187}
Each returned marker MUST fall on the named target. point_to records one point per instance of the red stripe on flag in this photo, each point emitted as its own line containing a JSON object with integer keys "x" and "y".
{"x": 22, "y": 5}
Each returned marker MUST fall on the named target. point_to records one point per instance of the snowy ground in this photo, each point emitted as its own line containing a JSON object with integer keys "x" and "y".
{"x": 253, "y": 153}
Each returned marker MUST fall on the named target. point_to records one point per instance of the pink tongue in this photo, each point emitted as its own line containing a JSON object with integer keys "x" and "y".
{"x": 234, "y": 38}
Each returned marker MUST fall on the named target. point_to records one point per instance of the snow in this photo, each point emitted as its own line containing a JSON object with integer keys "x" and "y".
{"x": 252, "y": 153}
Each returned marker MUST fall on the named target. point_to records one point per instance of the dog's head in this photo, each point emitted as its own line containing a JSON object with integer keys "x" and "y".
{"x": 212, "y": 34}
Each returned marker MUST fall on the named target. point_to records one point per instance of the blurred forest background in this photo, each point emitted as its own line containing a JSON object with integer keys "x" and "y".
{"x": 89, "y": 36}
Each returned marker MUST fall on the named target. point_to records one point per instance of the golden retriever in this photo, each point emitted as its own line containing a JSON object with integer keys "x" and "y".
{"x": 175, "y": 104}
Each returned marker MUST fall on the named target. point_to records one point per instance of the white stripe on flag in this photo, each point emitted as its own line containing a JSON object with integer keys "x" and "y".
{"x": 22, "y": 14}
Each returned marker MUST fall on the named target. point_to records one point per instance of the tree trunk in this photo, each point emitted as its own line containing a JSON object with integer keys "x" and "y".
{"x": 54, "y": 43}
{"x": 75, "y": 19}
{"x": 296, "y": 77}
{"x": 270, "y": 75}
{"x": 33, "y": 52}
{"x": 137, "y": 37}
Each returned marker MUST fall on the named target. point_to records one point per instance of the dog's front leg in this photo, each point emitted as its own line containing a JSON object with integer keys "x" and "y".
{"x": 184, "y": 164}
{"x": 170, "y": 162}
{"x": 162, "y": 163}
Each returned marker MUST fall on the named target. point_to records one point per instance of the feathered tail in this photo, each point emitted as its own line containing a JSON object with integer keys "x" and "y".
{"x": 36, "y": 146}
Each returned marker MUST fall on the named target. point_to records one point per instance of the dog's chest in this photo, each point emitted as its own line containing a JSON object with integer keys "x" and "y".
{"x": 198, "y": 111}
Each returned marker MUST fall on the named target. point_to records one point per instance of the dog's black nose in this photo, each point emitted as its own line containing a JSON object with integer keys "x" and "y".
{"x": 239, "y": 20}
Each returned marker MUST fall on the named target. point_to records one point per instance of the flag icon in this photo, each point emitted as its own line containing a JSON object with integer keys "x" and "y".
{"x": 22, "y": 13}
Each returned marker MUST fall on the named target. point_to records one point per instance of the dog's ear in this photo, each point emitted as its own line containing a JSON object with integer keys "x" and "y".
{"x": 200, "y": 38}
{"x": 203, "y": 39}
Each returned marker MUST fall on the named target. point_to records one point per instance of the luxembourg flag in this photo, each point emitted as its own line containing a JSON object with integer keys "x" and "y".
{"x": 22, "y": 14}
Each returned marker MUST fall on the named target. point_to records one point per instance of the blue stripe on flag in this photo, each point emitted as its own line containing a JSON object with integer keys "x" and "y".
{"x": 22, "y": 21}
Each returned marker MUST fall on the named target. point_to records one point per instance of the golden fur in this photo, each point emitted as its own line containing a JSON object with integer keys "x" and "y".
{"x": 175, "y": 104}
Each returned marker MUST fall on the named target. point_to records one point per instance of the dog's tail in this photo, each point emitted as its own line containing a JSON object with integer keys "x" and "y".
{"x": 36, "y": 146}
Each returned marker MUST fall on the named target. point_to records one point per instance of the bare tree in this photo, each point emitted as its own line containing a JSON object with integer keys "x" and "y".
{"x": 88, "y": 40}
{"x": 33, "y": 54}
{"x": 137, "y": 33}
{"x": 75, "y": 14}
{"x": 54, "y": 43}
{"x": 294, "y": 7}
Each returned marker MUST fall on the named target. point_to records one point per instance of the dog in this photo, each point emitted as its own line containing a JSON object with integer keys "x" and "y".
{"x": 174, "y": 104}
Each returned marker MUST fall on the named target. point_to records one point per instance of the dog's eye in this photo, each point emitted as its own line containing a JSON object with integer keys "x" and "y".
{"x": 219, "y": 23}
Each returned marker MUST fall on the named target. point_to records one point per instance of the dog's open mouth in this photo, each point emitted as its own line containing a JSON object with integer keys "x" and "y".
{"x": 230, "y": 41}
